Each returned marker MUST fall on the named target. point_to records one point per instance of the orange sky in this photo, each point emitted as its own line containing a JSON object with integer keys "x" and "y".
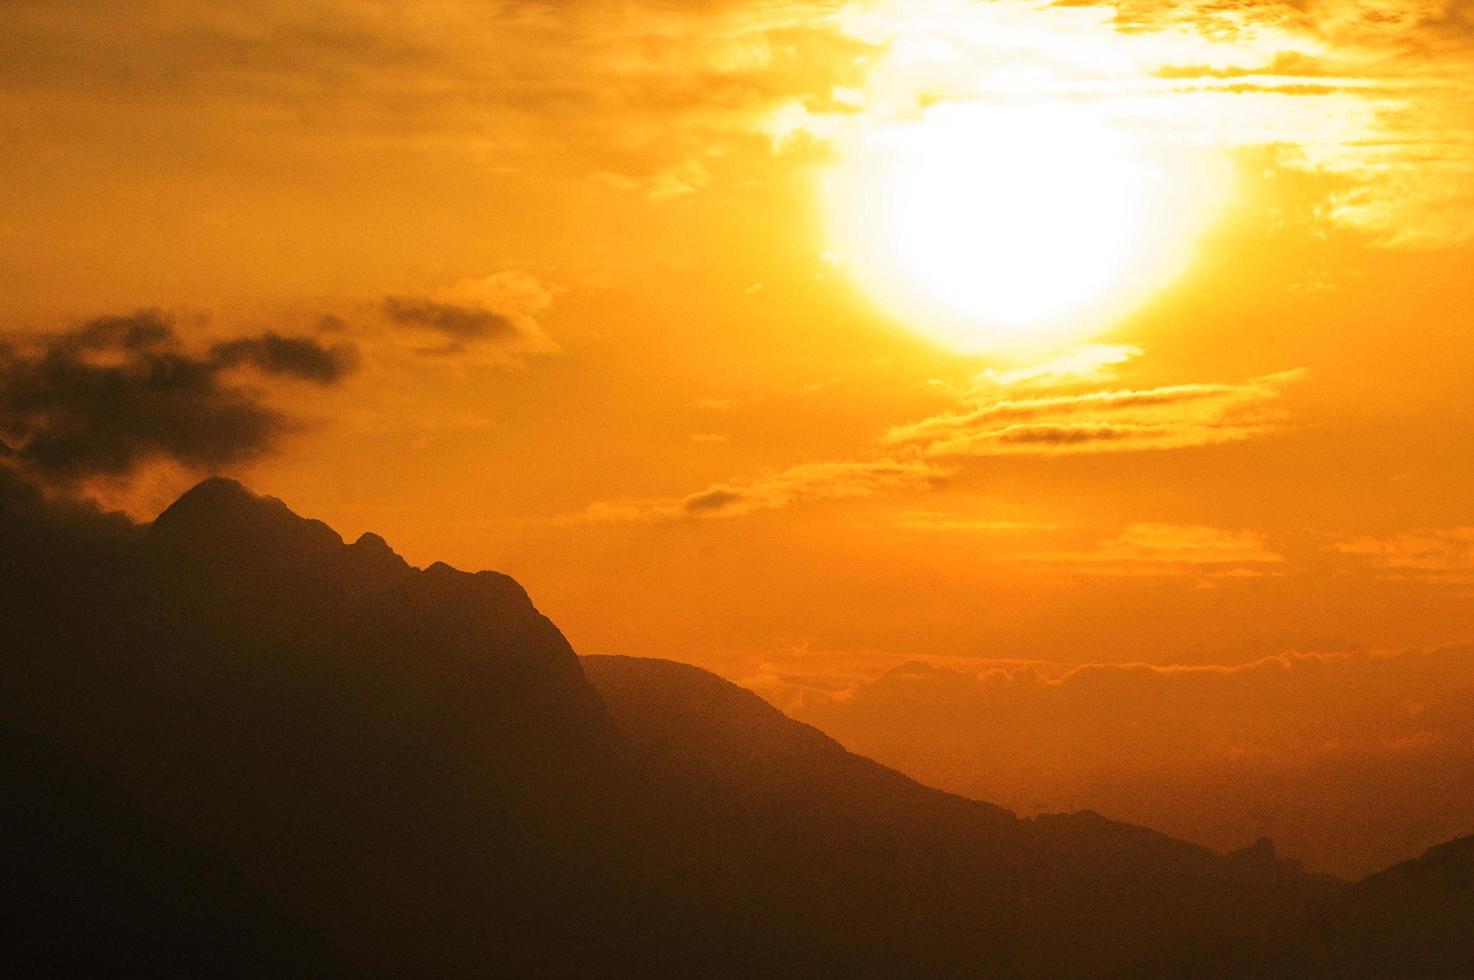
{"x": 648, "y": 320}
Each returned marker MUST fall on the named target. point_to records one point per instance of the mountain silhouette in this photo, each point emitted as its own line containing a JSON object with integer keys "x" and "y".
{"x": 234, "y": 743}
{"x": 1415, "y": 919}
{"x": 402, "y": 760}
{"x": 908, "y": 878}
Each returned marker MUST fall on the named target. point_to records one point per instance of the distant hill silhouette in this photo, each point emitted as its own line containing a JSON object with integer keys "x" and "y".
{"x": 1416, "y": 919}
{"x": 233, "y": 743}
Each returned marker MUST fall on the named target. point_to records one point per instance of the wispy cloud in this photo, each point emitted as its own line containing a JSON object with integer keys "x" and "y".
{"x": 1085, "y": 363}
{"x": 653, "y": 97}
{"x": 1372, "y": 95}
{"x": 991, "y": 421}
{"x": 1444, "y": 555}
{"x": 1120, "y": 420}
{"x": 1156, "y": 549}
{"x": 493, "y": 318}
{"x": 1195, "y": 550}
{"x": 807, "y": 483}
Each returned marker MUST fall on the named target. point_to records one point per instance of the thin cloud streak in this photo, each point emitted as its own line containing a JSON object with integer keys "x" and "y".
{"x": 1119, "y": 420}
{"x": 1441, "y": 555}
{"x": 807, "y": 483}
{"x": 1157, "y": 549}
{"x": 1168, "y": 417}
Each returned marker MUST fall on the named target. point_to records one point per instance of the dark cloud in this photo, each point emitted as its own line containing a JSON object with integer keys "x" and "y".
{"x": 118, "y": 391}
{"x": 454, "y": 321}
{"x": 713, "y": 500}
{"x": 1064, "y": 435}
{"x": 139, "y": 331}
{"x": 297, "y": 357}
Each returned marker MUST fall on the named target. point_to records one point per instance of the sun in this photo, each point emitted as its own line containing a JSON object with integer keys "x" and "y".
{"x": 1012, "y": 228}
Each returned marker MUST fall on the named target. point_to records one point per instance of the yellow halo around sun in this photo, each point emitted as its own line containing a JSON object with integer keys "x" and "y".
{"x": 1009, "y": 228}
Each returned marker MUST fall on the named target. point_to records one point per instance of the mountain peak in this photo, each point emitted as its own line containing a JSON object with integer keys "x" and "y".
{"x": 213, "y": 497}
{"x": 221, "y": 513}
{"x": 221, "y": 485}
{"x": 370, "y": 541}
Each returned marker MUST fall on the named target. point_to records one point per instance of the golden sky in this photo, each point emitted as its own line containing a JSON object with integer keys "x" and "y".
{"x": 803, "y": 340}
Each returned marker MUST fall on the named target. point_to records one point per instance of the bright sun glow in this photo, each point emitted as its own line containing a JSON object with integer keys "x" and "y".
{"x": 991, "y": 228}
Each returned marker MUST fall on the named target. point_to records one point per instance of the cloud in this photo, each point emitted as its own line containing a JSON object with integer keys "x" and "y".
{"x": 657, "y": 96}
{"x": 1196, "y": 550}
{"x": 495, "y": 315}
{"x": 1441, "y": 555}
{"x": 296, "y": 357}
{"x": 1167, "y": 548}
{"x": 459, "y": 323}
{"x": 1370, "y": 97}
{"x": 1350, "y": 760}
{"x": 1167, "y": 417}
{"x": 1087, "y": 362}
{"x": 806, "y": 483}
{"x": 118, "y": 391}
{"x": 1121, "y": 420}
{"x": 645, "y": 90}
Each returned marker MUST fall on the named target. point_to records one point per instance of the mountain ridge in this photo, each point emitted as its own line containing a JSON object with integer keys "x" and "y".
{"x": 414, "y": 768}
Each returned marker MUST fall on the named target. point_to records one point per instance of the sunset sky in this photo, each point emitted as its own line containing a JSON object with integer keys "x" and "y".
{"x": 914, "y": 364}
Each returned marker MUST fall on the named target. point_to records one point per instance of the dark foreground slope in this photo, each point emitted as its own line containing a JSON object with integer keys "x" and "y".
{"x": 406, "y": 765}
{"x": 232, "y": 743}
